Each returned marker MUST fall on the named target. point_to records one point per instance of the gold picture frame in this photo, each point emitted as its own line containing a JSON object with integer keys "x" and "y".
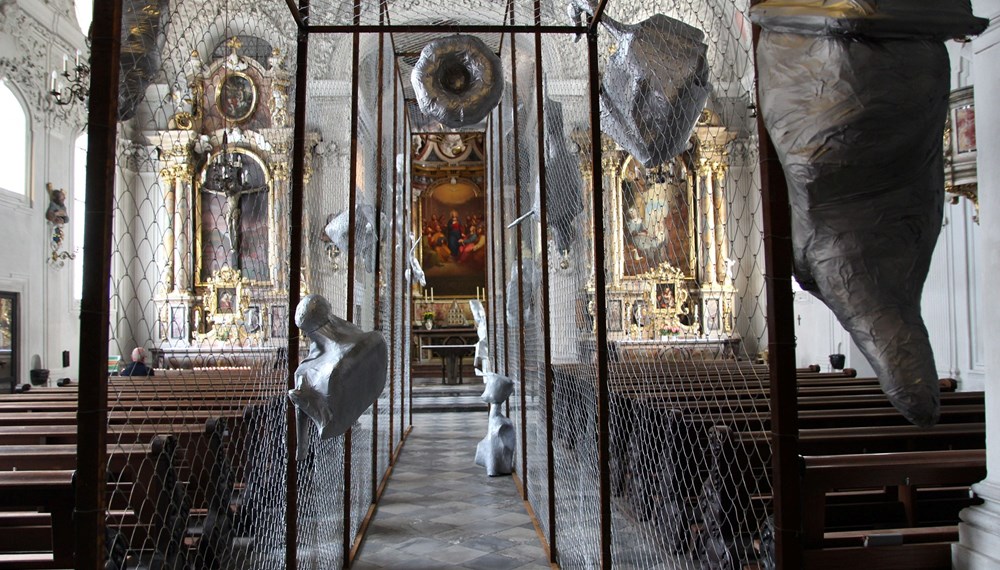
{"x": 224, "y": 298}
{"x": 236, "y": 96}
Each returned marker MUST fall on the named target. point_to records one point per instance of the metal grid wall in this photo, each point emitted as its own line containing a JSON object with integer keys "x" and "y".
{"x": 610, "y": 480}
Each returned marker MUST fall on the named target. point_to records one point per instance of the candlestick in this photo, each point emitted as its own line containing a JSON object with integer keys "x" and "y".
{"x": 65, "y": 63}
{"x": 78, "y": 58}
{"x": 52, "y": 82}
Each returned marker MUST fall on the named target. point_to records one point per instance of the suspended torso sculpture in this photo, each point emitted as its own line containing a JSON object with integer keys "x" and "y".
{"x": 854, "y": 97}
{"x": 364, "y": 221}
{"x": 343, "y": 375}
{"x": 457, "y": 80}
{"x": 655, "y": 85}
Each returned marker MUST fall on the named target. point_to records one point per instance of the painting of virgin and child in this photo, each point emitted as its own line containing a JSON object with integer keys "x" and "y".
{"x": 454, "y": 246}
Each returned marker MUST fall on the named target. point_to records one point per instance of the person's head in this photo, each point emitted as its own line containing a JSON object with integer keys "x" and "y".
{"x": 454, "y": 214}
{"x": 138, "y": 354}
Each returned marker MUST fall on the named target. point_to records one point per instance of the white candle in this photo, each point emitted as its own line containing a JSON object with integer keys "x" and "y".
{"x": 78, "y": 58}
{"x": 65, "y": 62}
{"x": 52, "y": 82}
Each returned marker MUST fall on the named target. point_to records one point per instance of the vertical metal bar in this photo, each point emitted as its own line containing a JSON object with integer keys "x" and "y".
{"x": 352, "y": 258}
{"x": 377, "y": 316}
{"x": 600, "y": 305}
{"x": 95, "y": 307}
{"x": 397, "y": 354}
{"x": 503, "y": 240}
{"x": 520, "y": 270}
{"x": 781, "y": 349}
{"x": 546, "y": 313}
{"x": 294, "y": 286}
{"x": 409, "y": 295}
{"x": 491, "y": 250}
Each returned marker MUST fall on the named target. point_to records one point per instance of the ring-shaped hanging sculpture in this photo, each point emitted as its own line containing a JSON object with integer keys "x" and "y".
{"x": 457, "y": 80}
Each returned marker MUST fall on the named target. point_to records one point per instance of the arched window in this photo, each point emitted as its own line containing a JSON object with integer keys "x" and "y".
{"x": 79, "y": 207}
{"x": 14, "y": 143}
{"x": 84, "y": 13}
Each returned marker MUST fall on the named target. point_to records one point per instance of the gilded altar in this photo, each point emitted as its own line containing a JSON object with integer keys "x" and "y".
{"x": 671, "y": 274}
{"x": 224, "y": 165}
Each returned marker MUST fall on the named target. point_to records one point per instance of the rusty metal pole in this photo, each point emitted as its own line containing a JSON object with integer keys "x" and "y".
{"x": 95, "y": 307}
{"x": 520, "y": 271}
{"x": 546, "y": 312}
{"x": 352, "y": 258}
{"x": 781, "y": 350}
{"x": 295, "y": 285}
{"x": 600, "y": 306}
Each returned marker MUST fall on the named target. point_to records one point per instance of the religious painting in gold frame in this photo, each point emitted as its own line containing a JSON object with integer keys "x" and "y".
{"x": 453, "y": 237}
{"x": 657, "y": 217}
{"x": 236, "y": 96}
{"x": 224, "y": 297}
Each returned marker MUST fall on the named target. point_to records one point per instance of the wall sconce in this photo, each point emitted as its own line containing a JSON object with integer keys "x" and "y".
{"x": 78, "y": 82}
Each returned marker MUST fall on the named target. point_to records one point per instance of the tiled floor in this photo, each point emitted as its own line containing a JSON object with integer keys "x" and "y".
{"x": 440, "y": 510}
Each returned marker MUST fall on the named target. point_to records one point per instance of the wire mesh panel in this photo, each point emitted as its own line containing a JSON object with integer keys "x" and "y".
{"x": 198, "y": 334}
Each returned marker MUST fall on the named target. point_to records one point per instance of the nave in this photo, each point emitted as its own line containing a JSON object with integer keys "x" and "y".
{"x": 439, "y": 510}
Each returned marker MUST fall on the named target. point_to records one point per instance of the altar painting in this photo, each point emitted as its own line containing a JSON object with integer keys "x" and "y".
{"x": 453, "y": 239}
{"x": 655, "y": 220}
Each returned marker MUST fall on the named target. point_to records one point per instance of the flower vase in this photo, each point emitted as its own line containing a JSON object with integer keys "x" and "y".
{"x": 428, "y": 324}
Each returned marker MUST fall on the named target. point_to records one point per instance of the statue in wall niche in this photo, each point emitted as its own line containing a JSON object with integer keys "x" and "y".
{"x": 858, "y": 128}
{"x": 365, "y": 238}
{"x": 655, "y": 85}
{"x": 341, "y": 377}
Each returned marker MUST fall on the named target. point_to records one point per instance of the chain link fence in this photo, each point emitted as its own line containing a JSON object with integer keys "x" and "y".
{"x": 204, "y": 265}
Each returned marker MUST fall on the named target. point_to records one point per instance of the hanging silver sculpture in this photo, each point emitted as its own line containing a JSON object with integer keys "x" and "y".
{"x": 854, "y": 97}
{"x": 655, "y": 85}
{"x": 341, "y": 377}
{"x": 458, "y": 80}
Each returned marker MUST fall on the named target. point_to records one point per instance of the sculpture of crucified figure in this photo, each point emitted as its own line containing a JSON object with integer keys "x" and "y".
{"x": 231, "y": 181}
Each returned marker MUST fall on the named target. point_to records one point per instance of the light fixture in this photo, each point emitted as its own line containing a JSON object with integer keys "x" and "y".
{"x": 78, "y": 82}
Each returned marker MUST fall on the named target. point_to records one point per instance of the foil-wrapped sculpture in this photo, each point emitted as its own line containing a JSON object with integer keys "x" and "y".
{"x": 481, "y": 359}
{"x": 655, "y": 85}
{"x": 365, "y": 238}
{"x": 495, "y": 452}
{"x": 531, "y": 283}
{"x": 858, "y": 129}
{"x": 343, "y": 375}
{"x": 564, "y": 186}
{"x": 457, "y": 80}
{"x": 415, "y": 270}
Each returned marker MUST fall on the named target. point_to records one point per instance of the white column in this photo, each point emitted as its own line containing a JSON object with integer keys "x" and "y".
{"x": 182, "y": 236}
{"x": 707, "y": 193}
{"x": 721, "y": 239}
{"x": 979, "y": 531}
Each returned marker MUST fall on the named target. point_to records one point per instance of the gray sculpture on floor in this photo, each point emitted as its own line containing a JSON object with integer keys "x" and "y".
{"x": 495, "y": 452}
{"x": 343, "y": 375}
{"x": 854, "y": 95}
{"x": 655, "y": 85}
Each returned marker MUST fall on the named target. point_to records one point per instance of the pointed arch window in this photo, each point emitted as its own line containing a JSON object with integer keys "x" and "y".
{"x": 14, "y": 143}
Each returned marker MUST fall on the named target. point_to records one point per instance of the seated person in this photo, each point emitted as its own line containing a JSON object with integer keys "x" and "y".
{"x": 137, "y": 367}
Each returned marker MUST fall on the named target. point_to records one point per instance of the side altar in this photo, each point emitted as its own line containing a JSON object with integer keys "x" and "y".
{"x": 224, "y": 166}
{"x": 670, "y": 290}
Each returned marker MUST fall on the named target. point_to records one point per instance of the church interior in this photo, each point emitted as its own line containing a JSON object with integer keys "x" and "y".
{"x": 716, "y": 267}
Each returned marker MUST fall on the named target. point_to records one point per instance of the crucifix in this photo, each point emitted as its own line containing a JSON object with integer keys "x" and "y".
{"x": 229, "y": 179}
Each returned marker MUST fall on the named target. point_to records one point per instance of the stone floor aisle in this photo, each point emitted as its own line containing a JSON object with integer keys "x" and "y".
{"x": 440, "y": 510}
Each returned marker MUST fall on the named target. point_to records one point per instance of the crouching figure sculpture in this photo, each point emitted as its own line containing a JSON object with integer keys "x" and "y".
{"x": 343, "y": 375}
